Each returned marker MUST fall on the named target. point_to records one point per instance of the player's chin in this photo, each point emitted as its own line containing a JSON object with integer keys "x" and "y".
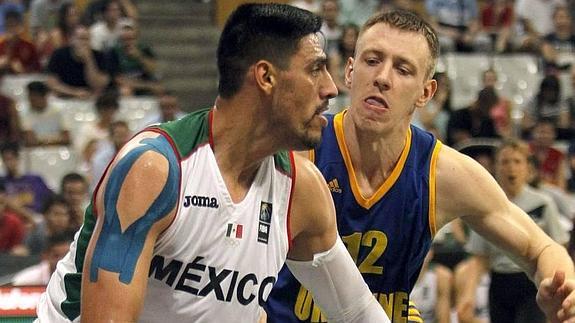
{"x": 311, "y": 140}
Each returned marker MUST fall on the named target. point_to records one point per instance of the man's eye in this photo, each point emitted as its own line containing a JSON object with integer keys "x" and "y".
{"x": 371, "y": 61}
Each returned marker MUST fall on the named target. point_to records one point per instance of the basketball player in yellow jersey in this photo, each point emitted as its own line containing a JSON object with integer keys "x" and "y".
{"x": 389, "y": 77}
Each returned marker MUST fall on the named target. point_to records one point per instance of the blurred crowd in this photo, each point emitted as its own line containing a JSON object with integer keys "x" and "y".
{"x": 74, "y": 78}
{"x": 90, "y": 51}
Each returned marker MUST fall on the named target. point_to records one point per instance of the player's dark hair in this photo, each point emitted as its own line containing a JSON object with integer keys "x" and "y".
{"x": 256, "y": 32}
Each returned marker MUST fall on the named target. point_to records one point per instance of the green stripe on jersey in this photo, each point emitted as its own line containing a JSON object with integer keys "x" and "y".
{"x": 188, "y": 132}
{"x": 73, "y": 281}
{"x": 283, "y": 162}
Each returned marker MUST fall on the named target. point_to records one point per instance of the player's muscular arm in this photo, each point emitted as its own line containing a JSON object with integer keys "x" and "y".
{"x": 466, "y": 189}
{"x": 312, "y": 221}
{"x": 135, "y": 203}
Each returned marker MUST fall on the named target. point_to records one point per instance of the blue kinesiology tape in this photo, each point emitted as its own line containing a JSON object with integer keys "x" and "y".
{"x": 118, "y": 251}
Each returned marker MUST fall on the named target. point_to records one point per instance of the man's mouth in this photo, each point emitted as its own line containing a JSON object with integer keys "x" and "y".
{"x": 376, "y": 102}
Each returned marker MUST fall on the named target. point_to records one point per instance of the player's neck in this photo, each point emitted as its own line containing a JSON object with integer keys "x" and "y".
{"x": 239, "y": 145}
{"x": 374, "y": 156}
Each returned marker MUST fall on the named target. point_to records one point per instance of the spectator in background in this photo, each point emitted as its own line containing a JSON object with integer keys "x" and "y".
{"x": 511, "y": 293}
{"x": 10, "y": 124}
{"x": 43, "y": 124}
{"x": 473, "y": 121}
{"x": 119, "y": 134}
{"x": 474, "y": 309}
{"x": 571, "y": 7}
{"x": 497, "y": 22}
{"x": 560, "y": 41}
{"x": 43, "y": 17}
{"x": 95, "y": 11}
{"x": 133, "y": 64}
{"x": 500, "y": 113}
{"x": 86, "y": 155}
{"x": 330, "y": 28}
{"x": 356, "y": 12}
{"x": 107, "y": 106}
{"x": 12, "y": 228}
{"x": 169, "y": 110}
{"x": 336, "y": 65}
{"x": 56, "y": 220}
{"x": 55, "y": 249}
{"x": 435, "y": 115}
{"x": 74, "y": 189}
{"x": 68, "y": 19}
{"x": 104, "y": 34}
{"x": 571, "y": 161}
{"x": 534, "y": 20}
{"x": 565, "y": 203}
{"x": 571, "y": 102}
{"x": 77, "y": 71}
{"x": 59, "y": 36}
{"x": 549, "y": 105}
{"x": 17, "y": 55}
{"x": 9, "y": 5}
{"x": 27, "y": 190}
{"x": 409, "y": 5}
{"x": 552, "y": 163}
{"x": 309, "y": 5}
{"x": 432, "y": 292}
{"x": 457, "y": 24}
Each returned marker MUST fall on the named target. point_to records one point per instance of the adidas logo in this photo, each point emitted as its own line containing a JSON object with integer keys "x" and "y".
{"x": 334, "y": 186}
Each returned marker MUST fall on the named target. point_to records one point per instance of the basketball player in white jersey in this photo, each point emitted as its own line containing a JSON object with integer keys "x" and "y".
{"x": 194, "y": 218}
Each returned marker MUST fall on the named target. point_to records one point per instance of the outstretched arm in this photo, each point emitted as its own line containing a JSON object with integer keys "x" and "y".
{"x": 134, "y": 204}
{"x": 318, "y": 257}
{"x": 465, "y": 188}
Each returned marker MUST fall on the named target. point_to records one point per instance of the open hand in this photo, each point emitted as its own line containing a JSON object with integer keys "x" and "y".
{"x": 556, "y": 297}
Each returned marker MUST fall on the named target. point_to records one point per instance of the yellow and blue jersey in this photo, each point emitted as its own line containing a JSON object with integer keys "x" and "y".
{"x": 387, "y": 234}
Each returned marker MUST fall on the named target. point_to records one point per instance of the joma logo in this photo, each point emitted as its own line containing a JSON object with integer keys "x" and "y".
{"x": 201, "y": 201}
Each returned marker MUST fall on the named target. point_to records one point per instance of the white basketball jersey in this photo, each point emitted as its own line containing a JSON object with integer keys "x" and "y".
{"x": 218, "y": 260}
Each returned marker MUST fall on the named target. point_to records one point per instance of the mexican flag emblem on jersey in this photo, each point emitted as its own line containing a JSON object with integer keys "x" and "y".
{"x": 234, "y": 230}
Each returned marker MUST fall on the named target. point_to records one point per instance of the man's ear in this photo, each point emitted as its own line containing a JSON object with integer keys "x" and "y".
{"x": 265, "y": 76}
{"x": 348, "y": 72}
{"x": 428, "y": 91}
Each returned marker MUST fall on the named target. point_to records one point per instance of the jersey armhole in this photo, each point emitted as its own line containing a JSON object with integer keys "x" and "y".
{"x": 432, "y": 188}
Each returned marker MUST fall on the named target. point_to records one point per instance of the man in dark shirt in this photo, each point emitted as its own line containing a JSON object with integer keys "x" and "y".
{"x": 77, "y": 71}
{"x": 473, "y": 121}
{"x": 133, "y": 64}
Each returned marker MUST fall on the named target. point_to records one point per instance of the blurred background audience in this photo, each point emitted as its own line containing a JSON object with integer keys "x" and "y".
{"x": 79, "y": 77}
